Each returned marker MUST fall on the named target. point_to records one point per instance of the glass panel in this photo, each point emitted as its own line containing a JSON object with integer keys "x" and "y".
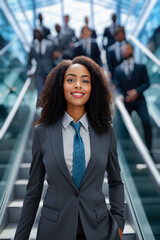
{"x": 19, "y": 15}
{"x": 7, "y": 33}
{"x": 150, "y": 26}
{"x": 133, "y": 12}
{"x": 148, "y": 194}
{"x": 12, "y": 77}
{"x": 11, "y": 142}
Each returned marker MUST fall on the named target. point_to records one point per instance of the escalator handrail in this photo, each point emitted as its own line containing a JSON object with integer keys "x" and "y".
{"x": 138, "y": 142}
{"x": 14, "y": 109}
{"x": 144, "y": 49}
{"x": 7, "y": 46}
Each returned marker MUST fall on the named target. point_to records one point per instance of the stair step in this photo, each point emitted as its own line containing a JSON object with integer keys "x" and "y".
{"x": 9, "y": 232}
{"x": 20, "y": 188}
{"x": 14, "y": 210}
{"x": 27, "y": 158}
{"x": 15, "y": 207}
{"x": 24, "y": 171}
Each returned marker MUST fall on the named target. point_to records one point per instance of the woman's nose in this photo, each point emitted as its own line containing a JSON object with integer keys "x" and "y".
{"x": 78, "y": 84}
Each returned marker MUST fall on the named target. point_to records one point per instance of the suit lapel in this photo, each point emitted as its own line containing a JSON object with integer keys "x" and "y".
{"x": 134, "y": 71}
{"x": 123, "y": 72}
{"x": 55, "y": 134}
{"x": 95, "y": 147}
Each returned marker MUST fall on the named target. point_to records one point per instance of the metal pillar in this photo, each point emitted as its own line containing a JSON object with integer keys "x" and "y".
{"x": 62, "y": 11}
{"x": 34, "y": 13}
{"x": 118, "y": 12}
{"x": 92, "y": 13}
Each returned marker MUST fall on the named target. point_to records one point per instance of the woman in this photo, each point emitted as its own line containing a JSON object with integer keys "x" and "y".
{"x": 75, "y": 93}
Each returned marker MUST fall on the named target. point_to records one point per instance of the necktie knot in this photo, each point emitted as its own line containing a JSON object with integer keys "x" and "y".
{"x": 76, "y": 126}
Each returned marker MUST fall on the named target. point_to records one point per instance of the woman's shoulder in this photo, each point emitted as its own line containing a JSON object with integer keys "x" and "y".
{"x": 44, "y": 126}
{"x": 40, "y": 127}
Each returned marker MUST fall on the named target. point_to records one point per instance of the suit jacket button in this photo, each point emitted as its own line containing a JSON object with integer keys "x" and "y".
{"x": 76, "y": 194}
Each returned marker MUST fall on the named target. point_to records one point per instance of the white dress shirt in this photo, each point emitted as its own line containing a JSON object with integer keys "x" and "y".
{"x": 68, "y": 140}
{"x": 118, "y": 49}
{"x": 128, "y": 66}
{"x": 86, "y": 43}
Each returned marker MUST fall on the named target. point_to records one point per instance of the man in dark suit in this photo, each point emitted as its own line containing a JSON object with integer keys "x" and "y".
{"x": 42, "y": 52}
{"x": 87, "y": 46}
{"x": 46, "y": 31}
{"x": 109, "y": 33}
{"x": 114, "y": 53}
{"x": 131, "y": 80}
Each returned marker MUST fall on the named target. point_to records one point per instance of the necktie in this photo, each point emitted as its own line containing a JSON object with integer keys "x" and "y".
{"x": 78, "y": 156}
{"x": 128, "y": 70}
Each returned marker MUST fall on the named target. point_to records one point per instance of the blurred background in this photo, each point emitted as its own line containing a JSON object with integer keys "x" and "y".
{"x": 19, "y": 87}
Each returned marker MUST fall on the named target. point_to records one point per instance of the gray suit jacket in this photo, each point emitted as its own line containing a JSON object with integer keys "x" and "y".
{"x": 44, "y": 63}
{"x": 63, "y": 202}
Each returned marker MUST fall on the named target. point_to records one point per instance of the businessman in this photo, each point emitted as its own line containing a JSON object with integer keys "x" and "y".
{"x": 131, "y": 80}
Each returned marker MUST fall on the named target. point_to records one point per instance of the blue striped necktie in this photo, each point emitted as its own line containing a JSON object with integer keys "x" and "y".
{"x": 78, "y": 156}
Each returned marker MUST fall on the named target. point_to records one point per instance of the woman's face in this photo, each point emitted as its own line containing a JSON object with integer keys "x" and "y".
{"x": 77, "y": 85}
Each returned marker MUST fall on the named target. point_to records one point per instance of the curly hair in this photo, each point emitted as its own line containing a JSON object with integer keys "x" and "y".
{"x": 98, "y": 107}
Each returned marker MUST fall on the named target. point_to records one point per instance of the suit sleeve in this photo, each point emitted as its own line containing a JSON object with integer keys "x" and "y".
{"x": 109, "y": 61}
{"x": 103, "y": 38}
{"x": 98, "y": 54}
{"x": 30, "y": 56}
{"x": 144, "y": 81}
{"x": 116, "y": 80}
{"x": 33, "y": 191}
{"x": 116, "y": 189}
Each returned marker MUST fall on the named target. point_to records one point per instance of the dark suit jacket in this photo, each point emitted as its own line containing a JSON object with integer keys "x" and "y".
{"x": 95, "y": 52}
{"x": 139, "y": 80}
{"x": 63, "y": 202}
{"x": 46, "y": 31}
{"x": 110, "y": 38}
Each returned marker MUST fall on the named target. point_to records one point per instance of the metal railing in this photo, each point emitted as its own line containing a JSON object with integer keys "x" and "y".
{"x": 144, "y": 49}
{"x": 141, "y": 147}
{"x": 7, "y": 46}
{"x": 14, "y": 109}
{"x": 138, "y": 142}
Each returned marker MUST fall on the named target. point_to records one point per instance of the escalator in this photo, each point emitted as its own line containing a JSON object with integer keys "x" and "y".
{"x": 140, "y": 171}
{"x": 148, "y": 196}
{"x": 17, "y": 111}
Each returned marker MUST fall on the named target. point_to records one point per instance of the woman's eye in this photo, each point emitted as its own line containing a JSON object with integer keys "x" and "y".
{"x": 85, "y": 81}
{"x": 70, "y": 80}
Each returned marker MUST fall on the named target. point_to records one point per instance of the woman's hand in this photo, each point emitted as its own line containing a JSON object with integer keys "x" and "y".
{"x": 120, "y": 233}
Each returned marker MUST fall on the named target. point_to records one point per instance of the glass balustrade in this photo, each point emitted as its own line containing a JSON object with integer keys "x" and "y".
{"x": 144, "y": 196}
{"x": 10, "y": 145}
{"x": 12, "y": 77}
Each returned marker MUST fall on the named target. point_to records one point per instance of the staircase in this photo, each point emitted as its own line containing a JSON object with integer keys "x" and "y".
{"x": 15, "y": 206}
{"x": 146, "y": 189}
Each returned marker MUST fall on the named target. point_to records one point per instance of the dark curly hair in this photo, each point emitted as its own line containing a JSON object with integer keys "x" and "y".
{"x": 98, "y": 107}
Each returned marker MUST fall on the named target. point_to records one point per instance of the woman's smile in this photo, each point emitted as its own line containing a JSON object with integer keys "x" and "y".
{"x": 77, "y": 94}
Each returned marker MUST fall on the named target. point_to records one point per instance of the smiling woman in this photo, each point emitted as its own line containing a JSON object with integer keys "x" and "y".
{"x": 74, "y": 144}
{"x": 77, "y": 89}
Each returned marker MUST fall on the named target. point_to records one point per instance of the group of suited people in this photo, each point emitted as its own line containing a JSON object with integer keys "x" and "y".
{"x": 129, "y": 78}
{"x": 48, "y": 51}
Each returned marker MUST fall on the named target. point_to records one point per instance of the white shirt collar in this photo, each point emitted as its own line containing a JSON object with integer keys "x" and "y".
{"x": 129, "y": 60}
{"x": 67, "y": 119}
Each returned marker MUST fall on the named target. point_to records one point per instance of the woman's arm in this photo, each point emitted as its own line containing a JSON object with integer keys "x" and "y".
{"x": 33, "y": 192}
